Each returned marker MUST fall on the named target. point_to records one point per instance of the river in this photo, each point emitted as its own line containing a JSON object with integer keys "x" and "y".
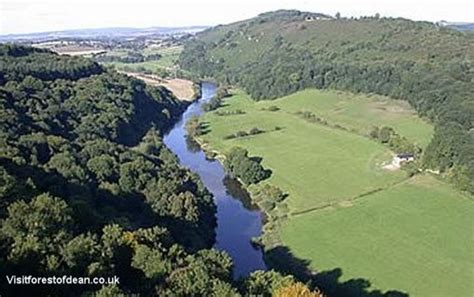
{"x": 236, "y": 224}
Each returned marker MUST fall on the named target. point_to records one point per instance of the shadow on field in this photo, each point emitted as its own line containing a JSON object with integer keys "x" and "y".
{"x": 281, "y": 259}
{"x": 204, "y": 128}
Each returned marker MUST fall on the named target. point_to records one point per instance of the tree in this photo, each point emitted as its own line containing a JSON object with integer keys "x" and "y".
{"x": 80, "y": 252}
{"x": 151, "y": 261}
{"x": 266, "y": 283}
{"x": 104, "y": 167}
{"x": 240, "y": 165}
{"x": 296, "y": 290}
{"x": 37, "y": 229}
{"x": 385, "y": 134}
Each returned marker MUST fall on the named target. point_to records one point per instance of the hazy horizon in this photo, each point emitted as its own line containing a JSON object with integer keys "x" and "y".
{"x": 31, "y": 16}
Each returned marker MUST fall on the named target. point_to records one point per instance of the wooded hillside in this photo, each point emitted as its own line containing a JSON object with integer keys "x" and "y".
{"x": 282, "y": 52}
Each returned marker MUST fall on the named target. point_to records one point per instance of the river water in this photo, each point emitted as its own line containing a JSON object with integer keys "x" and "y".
{"x": 236, "y": 224}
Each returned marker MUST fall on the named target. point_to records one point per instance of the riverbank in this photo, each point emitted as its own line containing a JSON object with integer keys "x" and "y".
{"x": 274, "y": 210}
{"x": 236, "y": 224}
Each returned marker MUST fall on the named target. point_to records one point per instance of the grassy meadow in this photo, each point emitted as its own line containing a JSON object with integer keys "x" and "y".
{"x": 310, "y": 161}
{"x": 416, "y": 237}
{"x": 169, "y": 57}
{"x": 360, "y": 112}
{"x": 405, "y": 227}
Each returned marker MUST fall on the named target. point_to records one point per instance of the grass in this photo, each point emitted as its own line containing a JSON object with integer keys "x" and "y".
{"x": 309, "y": 161}
{"x": 361, "y": 112}
{"x": 413, "y": 235}
{"x": 169, "y": 57}
{"x": 416, "y": 237}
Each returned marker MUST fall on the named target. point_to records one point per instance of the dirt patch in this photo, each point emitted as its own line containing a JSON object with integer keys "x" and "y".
{"x": 346, "y": 203}
{"x": 183, "y": 89}
{"x": 395, "y": 164}
{"x": 79, "y": 52}
{"x": 71, "y": 50}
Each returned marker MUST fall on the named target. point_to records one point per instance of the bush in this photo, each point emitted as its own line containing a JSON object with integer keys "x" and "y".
{"x": 255, "y": 131}
{"x": 241, "y": 134}
{"x": 240, "y": 165}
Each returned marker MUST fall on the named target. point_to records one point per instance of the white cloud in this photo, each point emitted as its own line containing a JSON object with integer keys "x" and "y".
{"x": 49, "y": 15}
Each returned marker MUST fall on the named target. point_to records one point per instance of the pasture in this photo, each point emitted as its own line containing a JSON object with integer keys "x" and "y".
{"x": 413, "y": 235}
{"x": 315, "y": 164}
{"x": 169, "y": 56}
{"x": 416, "y": 237}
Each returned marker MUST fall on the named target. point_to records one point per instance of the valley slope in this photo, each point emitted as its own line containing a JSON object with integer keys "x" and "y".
{"x": 345, "y": 216}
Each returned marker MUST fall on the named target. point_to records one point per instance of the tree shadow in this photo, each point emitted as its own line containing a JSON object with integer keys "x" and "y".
{"x": 192, "y": 144}
{"x": 329, "y": 282}
{"x": 235, "y": 190}
{"x": 256, "y": 159}
{"x": 204, "y": 128}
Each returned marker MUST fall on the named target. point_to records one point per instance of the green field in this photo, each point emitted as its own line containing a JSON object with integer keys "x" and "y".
{"x": 360, "y": 112}
{"x": 322, "y": 158}
{"x": 169, "y": 57}
{"x": 416, "y": 237}
{"x": 413, "y": 235}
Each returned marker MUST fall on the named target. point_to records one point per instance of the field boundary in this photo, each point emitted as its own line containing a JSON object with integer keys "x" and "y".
{"x": 352, "y": 199}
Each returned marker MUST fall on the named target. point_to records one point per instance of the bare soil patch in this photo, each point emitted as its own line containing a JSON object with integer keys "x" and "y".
{"x": 183, "y": 89}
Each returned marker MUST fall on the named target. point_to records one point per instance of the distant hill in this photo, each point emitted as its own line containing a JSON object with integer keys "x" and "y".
{"x": 463, "y": 26}
{"x": 429, "y": 65}
{"x": 100, "y": 33}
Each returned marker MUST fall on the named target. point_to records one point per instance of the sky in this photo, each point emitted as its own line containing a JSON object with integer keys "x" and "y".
{"x": 27, "y": 16}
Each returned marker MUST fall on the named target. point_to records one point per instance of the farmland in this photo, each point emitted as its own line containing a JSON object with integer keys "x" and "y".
{"x": 322, "y": 157}
{"x": 415, "y": 237}
{"x": 343, "y": 207}
{"x": 169, "y": 56}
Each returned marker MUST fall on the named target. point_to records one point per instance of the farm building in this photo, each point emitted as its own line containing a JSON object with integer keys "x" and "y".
{"x": 405, "y": 157}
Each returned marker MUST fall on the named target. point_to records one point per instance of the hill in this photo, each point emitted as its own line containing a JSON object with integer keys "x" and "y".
{"x": 278, "y": 53}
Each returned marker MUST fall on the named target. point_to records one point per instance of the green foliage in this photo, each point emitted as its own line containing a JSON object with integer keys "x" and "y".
{"x": 110, "y": 291}
{"x": 87, "y": 187}
{"x": 222, "y": 92}
{"x": 212, "y": 104}
{"x": 194, "y": 127}
{"x": 388, "y": 136}
{"x": 266, "y": 283}
{"x": 36, "y": 229}
{"x": 238, "y": 134}
{"x": 202, "y": 274}
{"x": 240, "y": 165}
{"x": 81, "y": 251}
{"x": 151, "y": 261}
{"x": 16, "y": 65}
{"x": 269, "y": 192}
{"x": 415, "y": 61}
{"x": 104, "y": 167}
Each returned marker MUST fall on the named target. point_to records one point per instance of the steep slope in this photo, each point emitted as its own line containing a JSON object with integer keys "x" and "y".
{"x": 88, "y": 189}
{"x": 86, "y": 186}
{"x": 282, "y": 52}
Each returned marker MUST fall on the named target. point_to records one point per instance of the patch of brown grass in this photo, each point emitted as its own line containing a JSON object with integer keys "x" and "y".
{"x": 183, "y": 89}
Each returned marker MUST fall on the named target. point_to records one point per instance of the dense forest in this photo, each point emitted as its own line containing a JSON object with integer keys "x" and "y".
{"x": 87, "y": 188}
{"x": 281, "y": 52}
